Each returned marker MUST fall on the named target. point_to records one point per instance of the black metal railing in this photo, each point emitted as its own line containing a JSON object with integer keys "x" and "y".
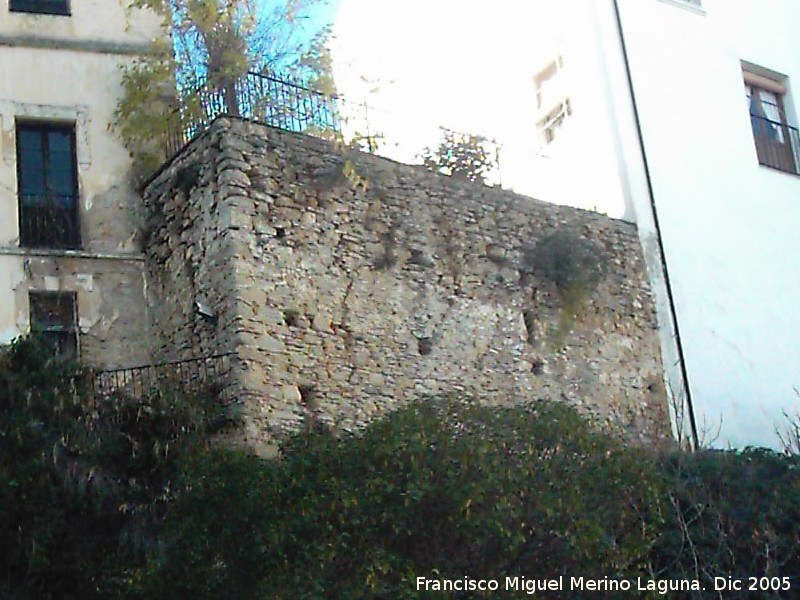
{"x": 277, "y": 101}
{"x": 49, "y": 221}
{"x": 207, "y": 375}
{"x": 291, "y": 105}
{"x": 777, "y": 144}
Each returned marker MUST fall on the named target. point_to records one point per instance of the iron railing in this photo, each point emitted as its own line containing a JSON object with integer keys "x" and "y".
{"x": 277, "y": 101}
{"x": 191, "y": 376}
{"x": 291, "y": 105}
{"x": 777, "y": 144}
{"x": 49, "y": 221}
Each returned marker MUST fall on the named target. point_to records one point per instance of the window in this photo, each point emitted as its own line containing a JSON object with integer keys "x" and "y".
{"x": 554, "y": 121}
{"x": 777, "y": 143}
{"x": 54, "y": 315}
{"x": 550, "y": 85}
{"x": 48, "y": 186}
{"x": 45, "y": 7}
{"x": 552, "y": 99}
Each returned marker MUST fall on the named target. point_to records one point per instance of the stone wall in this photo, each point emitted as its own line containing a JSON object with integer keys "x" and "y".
{"x": 343, "y": 301}
{"x": 189, "y": 244}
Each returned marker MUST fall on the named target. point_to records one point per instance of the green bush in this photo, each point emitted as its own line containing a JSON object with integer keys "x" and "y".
{"x": 84, "y": 478}
{"x": 436, "y": 489}
{"x": 110, "y": 497}
{"x": 446, "y": 489}
{"x": 730, "y": 514}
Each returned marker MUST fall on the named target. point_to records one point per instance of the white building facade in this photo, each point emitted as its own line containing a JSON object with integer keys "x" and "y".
{"x": 706, "y": 139}
{"x": 69, "y": 255}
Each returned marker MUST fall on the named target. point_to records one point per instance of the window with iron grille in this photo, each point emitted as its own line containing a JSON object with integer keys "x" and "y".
{"x": 47, "y": 185}
{"x": 54, "y": 315}
{"x": 44, "y": 7}
{"x": 777, "y": 142}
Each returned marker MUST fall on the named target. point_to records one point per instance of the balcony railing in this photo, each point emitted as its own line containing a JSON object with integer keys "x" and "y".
{"x": 49, "y": 221}
{"x": 777, "y": 144}
{"x": 288, "y": 104}
{"x": 279, "y": 102}
{"x": 205, "y": 375}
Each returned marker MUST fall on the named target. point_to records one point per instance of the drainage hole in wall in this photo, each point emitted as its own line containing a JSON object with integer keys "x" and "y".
{"x": 538, "y": 367}
{"x": 424, "y": 345}
{"x": 308, "y": 396}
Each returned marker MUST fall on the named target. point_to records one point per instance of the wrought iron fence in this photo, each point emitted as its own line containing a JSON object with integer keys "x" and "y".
{"x": 192, "y": 376}
{"x": 49, "y": 221}
{"x": 777, "y": 144}
{"x": 291, "y": 105}
{"x": 281, "y": 102}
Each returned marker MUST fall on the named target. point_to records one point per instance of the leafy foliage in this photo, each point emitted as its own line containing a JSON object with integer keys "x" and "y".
{"x": 84, "y": 479}
{"x": 464, "y": 156}
{"x": 568, "y": 260}
{"x": 730, "y": 514}
{"x": 146, "y": 113}
{"x": 443, "y": 489}
{"x": 437, "y": 488}
{"x": 122, "y": 497}
{"x": 213, "y": 44}
{"x": 574, "y": 264}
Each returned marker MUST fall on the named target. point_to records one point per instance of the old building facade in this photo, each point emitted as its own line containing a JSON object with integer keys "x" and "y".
{"x": 70, "y": 259}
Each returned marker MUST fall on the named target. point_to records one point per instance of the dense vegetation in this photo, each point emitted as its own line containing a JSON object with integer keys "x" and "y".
{"x": 124, "y": 497}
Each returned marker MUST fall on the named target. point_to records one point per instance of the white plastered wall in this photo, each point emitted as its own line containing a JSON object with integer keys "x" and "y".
{"x": 728, "y": 224}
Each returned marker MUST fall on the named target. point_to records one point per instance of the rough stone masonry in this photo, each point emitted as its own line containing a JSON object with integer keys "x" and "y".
{"x": 341, "y": 302}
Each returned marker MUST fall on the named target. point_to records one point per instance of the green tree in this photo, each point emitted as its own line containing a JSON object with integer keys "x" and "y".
{"x": 461, "y": 155}
{"x": 85, "y": 477}
{"x": 212, "y": 44}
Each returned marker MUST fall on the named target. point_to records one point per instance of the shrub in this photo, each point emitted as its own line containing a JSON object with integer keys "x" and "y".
{"x": 575, "y": 265}
{"x": 124, "y": 497}
{"x": 730, "y": 514}
{"x": 436, "y": 489}
{"x": 84, "y": 479}
{"x": 444, "y": 489}
{"x": 463, "y": 156}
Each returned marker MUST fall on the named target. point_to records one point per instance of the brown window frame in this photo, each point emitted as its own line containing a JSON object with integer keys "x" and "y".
{"x": 777, "y": 141}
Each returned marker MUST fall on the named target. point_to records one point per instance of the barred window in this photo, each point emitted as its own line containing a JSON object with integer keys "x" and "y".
{"x": 47, "y": 186}
{"x": 55, "y": 316}
{"x": 777, "y": 142}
